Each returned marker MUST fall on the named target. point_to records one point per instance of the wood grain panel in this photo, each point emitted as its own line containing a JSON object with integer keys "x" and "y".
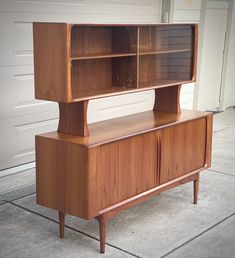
{"x": 124, "y": 72}
{"x": 124, "y": 39}
{"x": 73, "y": 118}
{"x": 91, "y": 74}
{"x": 168, "y": 99}
{"x": 121, "y": 169}
{"x": 157, "y": 37}
{"x": 107, "y": 60}
{"x": 88, "y": 40}
{"x": 183, "y": 149}
{"x": 124, "y": 127}
{"x": 209, "y": 131}
{"x": 139, "y": 198}
{"x": 52, "y": 80}
{"x": 61, "y": 176}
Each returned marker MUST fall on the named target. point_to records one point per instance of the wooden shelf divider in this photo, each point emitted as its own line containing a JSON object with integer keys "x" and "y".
{"x": 74, "y": 58}
{"x": 164, "y": 51}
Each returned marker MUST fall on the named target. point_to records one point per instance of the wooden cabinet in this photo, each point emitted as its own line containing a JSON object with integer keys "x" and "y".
{"x": 82, "y": 177}
{"x": 92, "y": 61}
{"x": 98, "y": 170}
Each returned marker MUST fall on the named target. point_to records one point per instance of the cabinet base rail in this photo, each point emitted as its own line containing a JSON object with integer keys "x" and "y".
{"x": 108, "y": 213}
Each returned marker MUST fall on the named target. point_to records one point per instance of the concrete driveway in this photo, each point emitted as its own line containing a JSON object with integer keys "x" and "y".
{"x": 168, "y": 225}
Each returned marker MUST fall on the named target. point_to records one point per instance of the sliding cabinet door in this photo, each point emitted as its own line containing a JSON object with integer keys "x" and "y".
{"x": 183, "y": 149}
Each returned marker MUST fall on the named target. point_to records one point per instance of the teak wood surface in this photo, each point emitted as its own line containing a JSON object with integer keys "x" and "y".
{"x": 99, "y": 170}
{"x": 76, "y": 62}
{"x": 123, "y": 127}
{"x": 89, "y": 178}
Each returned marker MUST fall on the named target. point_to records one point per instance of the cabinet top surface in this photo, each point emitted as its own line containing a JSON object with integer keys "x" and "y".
{"x": 116, "y": 24}
{"x": 127, "y": 126}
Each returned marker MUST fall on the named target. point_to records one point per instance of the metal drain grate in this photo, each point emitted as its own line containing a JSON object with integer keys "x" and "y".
{"x": 18, "y": 193}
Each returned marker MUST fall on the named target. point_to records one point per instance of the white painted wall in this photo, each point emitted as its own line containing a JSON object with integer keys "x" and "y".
{"x": 21, "y": 116}
{"x": 227, "y": 91}
{"x": 212, "y": 55}
{"x": 228, "y": 98}
{"x": 186, "y": 11}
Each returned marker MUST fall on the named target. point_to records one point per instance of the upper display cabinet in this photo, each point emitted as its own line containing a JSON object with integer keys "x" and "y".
{"x": 75, "y": 62}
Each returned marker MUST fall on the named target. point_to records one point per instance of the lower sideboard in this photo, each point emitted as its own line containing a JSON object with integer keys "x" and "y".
{"x": 100, "y": 175}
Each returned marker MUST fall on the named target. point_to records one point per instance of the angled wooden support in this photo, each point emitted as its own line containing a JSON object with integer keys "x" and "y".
{"x": 168, "y": 99}
{"x": 73, "y": 118}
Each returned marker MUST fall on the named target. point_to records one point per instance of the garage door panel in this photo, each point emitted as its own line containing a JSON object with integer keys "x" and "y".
{"x": 21, "y": 116}
{"x": 17, "y": 93}
{"x": 87, "y": 7}
{"x": 16, "y": 29}
{"x": 17, "y": 137}
{"x": 16, "y": 40}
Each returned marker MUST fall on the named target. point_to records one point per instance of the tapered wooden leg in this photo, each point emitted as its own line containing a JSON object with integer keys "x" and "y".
{"x": 195, "y": 189}
{"x": 102, "y": 226}
{"x": 61, "y": 223}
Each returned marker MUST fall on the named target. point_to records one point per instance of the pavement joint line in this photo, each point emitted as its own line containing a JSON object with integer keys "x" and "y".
{"x": 14, "y": 173}
{"x": 219, "y": 172}
{"x": 74, "y": 229}
{"x": 220, "y": 130}
{"x": 18, "y": 172}
{"x": 197, "y": 236}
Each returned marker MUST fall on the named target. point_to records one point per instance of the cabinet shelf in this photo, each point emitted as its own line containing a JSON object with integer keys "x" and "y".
{"x": 100, "y": 56}
{"x": 151, "y": 52}
{"x": 164, "y": 51}
{"x": 116, "y": 90}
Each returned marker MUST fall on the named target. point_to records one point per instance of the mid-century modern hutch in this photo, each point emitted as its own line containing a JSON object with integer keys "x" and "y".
{"x": 98, "y": 170}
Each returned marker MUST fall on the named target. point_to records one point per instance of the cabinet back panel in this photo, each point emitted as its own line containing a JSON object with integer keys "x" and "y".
{"x": 154, "y": 38}
{"x": 91, "y": 74}
{"x": 124, "y": 72}
{"x": 124, "y": 39}
{"x": 103, "y": 74}
{"x": 90, "y": 40}
{"x": 155, "y": 69}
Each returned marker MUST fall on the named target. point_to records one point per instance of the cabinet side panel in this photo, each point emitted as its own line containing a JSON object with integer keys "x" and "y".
{"x": 61, "y": 176}
{"x": 209, "y": 126}
{"x": 121, "y": 169}
{"x": 183, "y": 149}
{"x": 50, "y": 61}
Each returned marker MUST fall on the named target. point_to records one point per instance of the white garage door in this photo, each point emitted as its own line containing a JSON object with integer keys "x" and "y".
{"x": 21, "y": 116}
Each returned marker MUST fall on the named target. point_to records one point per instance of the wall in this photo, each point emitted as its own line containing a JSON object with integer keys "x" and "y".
{"x": 228, "y": 98}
